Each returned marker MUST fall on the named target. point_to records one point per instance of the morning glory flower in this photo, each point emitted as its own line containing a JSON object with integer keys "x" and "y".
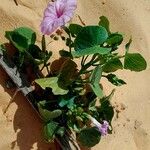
{"x": 57, "y": 14}
{"x": 103, "y": 128}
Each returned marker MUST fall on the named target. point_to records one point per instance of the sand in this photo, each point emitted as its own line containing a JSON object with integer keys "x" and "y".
{"x": 20, "y": 127}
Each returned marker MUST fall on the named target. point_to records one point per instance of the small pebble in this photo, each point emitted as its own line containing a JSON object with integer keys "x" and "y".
{"x": 128, "y": 120}
{"x": 103, "y": 3}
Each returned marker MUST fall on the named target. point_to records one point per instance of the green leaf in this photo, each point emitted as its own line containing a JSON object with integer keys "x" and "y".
{"x": 35, "y": 51}
{"x": 75, "y": 29}
{"x": 128, "y": 45}
{"x": 3, "y": 48}
{"x": 90, "y": 36}
{"x": 106, "y": 111}
{"x": 51, "y": 83}
{"x": 64, "y": 53}
{"x": 134, "y": 62}
{"x": 61, "y": 131}
{"x": 68, "y": 42}
{"x": 73, "y": 126}
{"x": 94, "y": 81}
{"x": 28, "y": 33}
{"x": 49, "y": 131}
{"x": 47, "y": 55}
{"x": 21, "y": 59}
{"x": 104, "y": 22}
{"x": 67, "y": 74}
{"x": 115, "y": 80}
{"x": 65, "y": 101}
{"x": 66, "y": 29}
{"x": 90, "y": 99}
{"x": 108, "y": 98}
{"x": 39, "y": 55}
{"x": 112, "y": 65}
{"x": 114, "y": 39}
{"x": 91, "y": 50}
{"x": 89, "y": 137}
{"x": 21, "y": 38}
{"x": 48, "y": 115}
{"x": 96, "y": 75}
{"x": 20, "y": 42}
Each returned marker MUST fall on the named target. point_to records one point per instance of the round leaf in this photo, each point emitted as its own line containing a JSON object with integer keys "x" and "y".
{"x": 112, "y": 65}
{"x": 74, "y": 29}
{"x": 21, "y": 38}
{"x": 90, "y": 36}
{"x": 49, "y": 131}
{"x": 28, "y": 33}
{"x": 91, "y": 50}
{"x": 104, "y": 22}
{"x": 17, "y": 40}
{"x": 89, "y": 137}
{"x": 115, "y": 39}
{"x": 134, "y": 62}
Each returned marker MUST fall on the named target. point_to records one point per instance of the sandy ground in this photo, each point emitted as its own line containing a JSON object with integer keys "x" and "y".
{"x": 20, "y": 127}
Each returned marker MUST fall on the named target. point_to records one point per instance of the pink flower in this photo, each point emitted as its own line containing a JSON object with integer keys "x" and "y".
{"x": 57, "y": 14}
{"x": 103, "y": 128}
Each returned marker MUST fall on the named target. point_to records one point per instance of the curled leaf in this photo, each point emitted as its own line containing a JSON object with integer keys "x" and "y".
{"x": 51, "y": 83}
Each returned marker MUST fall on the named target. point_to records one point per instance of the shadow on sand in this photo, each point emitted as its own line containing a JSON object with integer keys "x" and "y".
{"x": 26, "y": 122}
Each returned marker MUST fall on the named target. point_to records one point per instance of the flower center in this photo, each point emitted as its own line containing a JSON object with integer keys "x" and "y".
{"x": 60, "y": 12}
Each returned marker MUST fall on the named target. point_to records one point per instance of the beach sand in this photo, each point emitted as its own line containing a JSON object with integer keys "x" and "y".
{"x": 20, "y": 127}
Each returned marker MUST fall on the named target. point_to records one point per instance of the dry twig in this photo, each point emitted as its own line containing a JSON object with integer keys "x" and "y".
{"x": 16, "y": 2}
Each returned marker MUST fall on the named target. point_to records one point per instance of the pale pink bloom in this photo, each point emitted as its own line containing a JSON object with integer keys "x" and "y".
{"x": 57, "y": 14}
{"x": 103, "y": 128}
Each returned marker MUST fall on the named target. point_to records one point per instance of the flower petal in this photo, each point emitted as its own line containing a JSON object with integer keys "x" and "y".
{"x": 104, "y": 128}
{"x": 57, "y": 14}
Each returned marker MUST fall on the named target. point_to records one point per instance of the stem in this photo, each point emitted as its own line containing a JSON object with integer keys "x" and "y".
{"x": 70, "y": 44}
{"x": 45, "y": 65}
{"x": 96, "y": 60}
{"x": 121, "y": 56}
{"x": 44, "y": 50}
{"x": 104, "y": 76}
{"x": 81, "y": 21}
{"x": 47, "y": 69}
{"x": 86, "y": 81}
{"x": 89, "y": 64}
{"x": 68, "y": 32}
{"x": 43, "y": 44}
{"x": 42, "y": 68}
{"x": 82, "y": 61}
{"x": 30, "y": 56}
{"x": 94, "y": 56}
{"x": 70, "y": 49}
{"x": 85, "y": 59}
{"x": 87, "y": 71}
{"x": 85, "y": 67}
{"x": 96, "y": 64}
